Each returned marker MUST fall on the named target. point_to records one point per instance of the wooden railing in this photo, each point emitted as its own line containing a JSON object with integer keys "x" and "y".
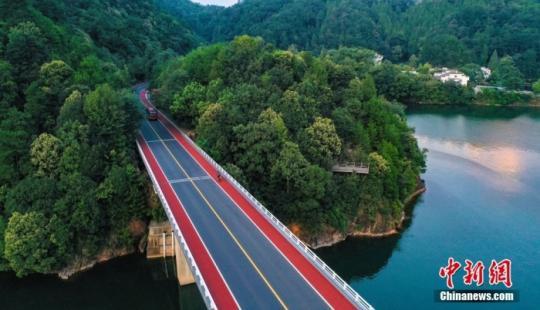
{"x": 351, "y": 167}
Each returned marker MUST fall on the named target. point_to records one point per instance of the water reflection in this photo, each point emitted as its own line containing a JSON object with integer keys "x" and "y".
{"x": 482, "y": 202}
{"x": 130, "y": 282}
{"x": 483, "y": 127}
{"x": 358, "y": 258}
{"x": 506, "y": 165}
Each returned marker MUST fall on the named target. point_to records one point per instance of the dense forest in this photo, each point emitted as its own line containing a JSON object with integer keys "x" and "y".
{"x": 70, "y": 184}
{"x": 441, "y": 32}
{"x": 277, "y": 108}
{"x": 278, "y": 120}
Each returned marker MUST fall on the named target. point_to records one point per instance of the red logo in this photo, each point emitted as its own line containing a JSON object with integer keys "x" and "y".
{"x": 449, "y": 271}
{"x": 474, "y": 273}
{"x": 499, "y": 272}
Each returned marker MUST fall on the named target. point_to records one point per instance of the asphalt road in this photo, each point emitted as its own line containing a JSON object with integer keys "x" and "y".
{"x": 258, "y": 275}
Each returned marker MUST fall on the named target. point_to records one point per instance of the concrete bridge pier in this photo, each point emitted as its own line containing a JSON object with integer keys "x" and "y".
{"x": 183, "y": 272}
{"x": 162, "y": 243}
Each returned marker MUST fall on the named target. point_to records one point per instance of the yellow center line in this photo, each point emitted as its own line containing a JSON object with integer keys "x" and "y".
{"x": 252, "y": 262}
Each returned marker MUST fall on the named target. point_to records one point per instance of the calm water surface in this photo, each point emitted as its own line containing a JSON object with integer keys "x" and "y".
{"x": 130, "y": 282}
{"x": 482, "y": 203}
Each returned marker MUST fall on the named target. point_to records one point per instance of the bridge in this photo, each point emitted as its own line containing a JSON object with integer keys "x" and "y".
{"x": 239, "y": 254}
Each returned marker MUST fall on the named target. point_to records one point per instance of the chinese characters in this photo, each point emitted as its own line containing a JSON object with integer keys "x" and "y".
{"x": 498, "y": 273}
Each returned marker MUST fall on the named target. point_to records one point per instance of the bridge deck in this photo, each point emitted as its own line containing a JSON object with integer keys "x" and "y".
{"x": 243, "y": 259}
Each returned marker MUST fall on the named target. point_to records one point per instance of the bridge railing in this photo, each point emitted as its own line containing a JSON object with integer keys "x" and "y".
{"x": 304, "y": 249}
{"x": 199, "y": 280}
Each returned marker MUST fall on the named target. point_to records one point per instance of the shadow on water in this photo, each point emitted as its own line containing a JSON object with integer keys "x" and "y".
{"x": 361, "y": 257}
{"x": 130, "y": 282}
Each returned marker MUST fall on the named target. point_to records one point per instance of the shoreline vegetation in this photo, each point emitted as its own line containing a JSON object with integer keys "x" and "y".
{"x": 332, "y": 237}
{"x": 277, "y": 112}
{"x": 278, "y": 120}
{"x": 72, "y": 191}
{"x": 533, "y": 104}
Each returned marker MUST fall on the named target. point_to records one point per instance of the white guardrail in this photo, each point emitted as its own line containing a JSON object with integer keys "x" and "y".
{"x": 304, "y": 249}
{"x": 203, "y": 288}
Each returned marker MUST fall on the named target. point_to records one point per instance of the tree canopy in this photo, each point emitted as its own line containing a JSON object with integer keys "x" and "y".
{"x": 70, "y": 180}
{"x": 280, "y": 119}
{"x": 442, "y": 32}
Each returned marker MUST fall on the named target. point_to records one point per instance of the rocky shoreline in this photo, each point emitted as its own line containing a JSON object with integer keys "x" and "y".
{"x": 83, "y": 264}
{"x": 381, "y": 227}
{"x": 80, "y": 264}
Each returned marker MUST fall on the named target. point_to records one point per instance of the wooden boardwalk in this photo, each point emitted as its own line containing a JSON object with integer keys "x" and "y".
{"x": 351, "y": 168}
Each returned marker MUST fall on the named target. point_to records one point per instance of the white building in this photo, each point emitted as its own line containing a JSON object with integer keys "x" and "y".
{"x": 446, "y": 75}
{"x": 378, "y": 58}
{"x": 486, "y": 72}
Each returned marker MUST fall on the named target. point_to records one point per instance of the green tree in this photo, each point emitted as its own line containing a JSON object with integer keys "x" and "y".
{"x": 76, "y": 149}
{"x": 293, "y": 113}
{"x": 474, "y": 72}
{"x": 14, "y": 143}
{"x": 45, "y": 154}
{"x": 71, "y": 110}
{"x": 215, "y": 130}
{"x": 27, "y": 244}
{"x": 508, "y": 75}
{"x": 122, "y": 195}
{"x": 190, "y": 103}
{"x": 55, "y": 77}
{"x": 344, "y": 123}
{"x": 288, "y": 167}
{"x": 320, "y": 141}
{"x": 81, "y": 215}
{"x": 112, "y": 122}
{"x": 258, "y": 144}
{"x": 92, "y": 71}
{"x": 33, "y": 193}
{"x": 8, "y": 88}
{"x": 362, "y": 90}
{"x": 444, "y": 50}
{"x": 536, "y": 87}
{"x": 494, "y": 60}
{"x": 236, "y": 173}
{"x": 4, "y": 265}
{"x": 46, "y": 95}
{"x": 270, "y": 125}
{"x": 239, "y": 61}
{"x": 26, "y": 50}
{"x": 315, "y": 181}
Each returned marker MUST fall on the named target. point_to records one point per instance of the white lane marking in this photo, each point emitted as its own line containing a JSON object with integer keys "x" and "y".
{"x": 192, "y": 225}
{"x": 189, "y": 179}
{"x": 218, "y": 216}
{"x": 160, "y": 140}
{"x": 254, "y": 224}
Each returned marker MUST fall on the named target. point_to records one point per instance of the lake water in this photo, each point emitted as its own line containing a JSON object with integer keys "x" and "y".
{"x": 130, "y": 282}
{"x": 482, "y": 203}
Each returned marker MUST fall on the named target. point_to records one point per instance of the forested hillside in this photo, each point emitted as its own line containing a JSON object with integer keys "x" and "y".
{"x": 70, "y": 184}
{"x": 278, "y": 120}
{"x": 277, "y": 110}
{"x": 442, "y": 32}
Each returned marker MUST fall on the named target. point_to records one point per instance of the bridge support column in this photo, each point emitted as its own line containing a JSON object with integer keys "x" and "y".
{"x": 183, "y": 272}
